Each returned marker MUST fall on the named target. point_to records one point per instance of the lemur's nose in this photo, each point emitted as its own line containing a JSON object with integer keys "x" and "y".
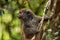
{"x": 20, "y": 15}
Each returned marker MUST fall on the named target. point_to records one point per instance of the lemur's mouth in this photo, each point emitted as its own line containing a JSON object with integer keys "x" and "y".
{"x": 19, "y": 16}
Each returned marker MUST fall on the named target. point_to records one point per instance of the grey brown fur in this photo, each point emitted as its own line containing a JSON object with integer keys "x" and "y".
{"x": 30, "y": 22}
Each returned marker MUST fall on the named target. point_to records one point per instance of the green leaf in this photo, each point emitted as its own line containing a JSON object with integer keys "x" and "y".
{"x": 6, "y": 17}
{"x": 16, "y": 23}
{"x": 6, "y": 35}
{"x": 34, "y": 4}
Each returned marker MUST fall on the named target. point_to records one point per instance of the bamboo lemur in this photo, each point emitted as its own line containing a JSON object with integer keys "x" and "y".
{"x": 30, "y": 21}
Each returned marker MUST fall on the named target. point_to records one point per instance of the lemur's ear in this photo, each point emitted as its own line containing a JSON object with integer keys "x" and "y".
{"x": 23, "y": 9}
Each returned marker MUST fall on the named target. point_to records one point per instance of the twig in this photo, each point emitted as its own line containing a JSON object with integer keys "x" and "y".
{"x": 39, "y": 7}
{"x": 40, "y": 28}
{"x": 53, "y": 9}
{"x": 29, "y": 4}
{"x": 45, "y": 10}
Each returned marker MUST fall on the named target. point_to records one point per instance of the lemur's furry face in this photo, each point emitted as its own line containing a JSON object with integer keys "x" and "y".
{"x": 25, "y": 14}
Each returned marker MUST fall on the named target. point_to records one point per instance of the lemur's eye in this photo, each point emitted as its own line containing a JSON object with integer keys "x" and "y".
{"x": 28, "y": 13}
{"x": 20, "y": 12}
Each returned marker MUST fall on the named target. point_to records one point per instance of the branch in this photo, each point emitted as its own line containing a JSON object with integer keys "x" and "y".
{"x": 40, "y": 6}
